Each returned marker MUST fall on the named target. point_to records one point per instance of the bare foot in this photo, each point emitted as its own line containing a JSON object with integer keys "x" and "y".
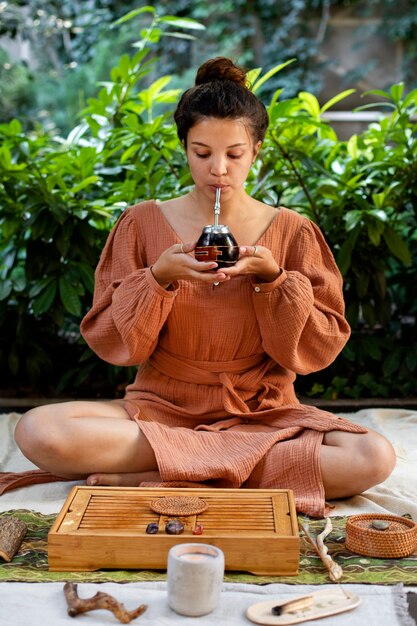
{"x": 123, "y": 480}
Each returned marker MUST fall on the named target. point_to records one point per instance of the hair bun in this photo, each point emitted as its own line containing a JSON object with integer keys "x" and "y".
{"x": 220, "y": 68}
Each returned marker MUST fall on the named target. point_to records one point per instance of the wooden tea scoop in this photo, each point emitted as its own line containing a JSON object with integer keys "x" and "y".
{"x": 335, "y": 571}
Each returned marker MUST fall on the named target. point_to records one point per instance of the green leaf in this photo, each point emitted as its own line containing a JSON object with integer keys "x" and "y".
{"x": 177, "y": 35}
{"x": 344, "y": 256}
{"x": 410, "y": 99}
{"x": 182, "y": 22}
{"x": 123, "y": 69}
{"x": 134, "y": 13}
{"x": 87, "y": 275}
{"x": 18, "y": 277}
{"x": 352, "y": 147}
{"x": 129, "y": 153}
{"x": 392, "y": 362}
{"x": 69, "y": 296}
{"x": 377, "y": 92}
{"x": 258, "y": 84}
{"x": 5, "y": 289}
{"x": 373, "y": 105}
{"x": 353, "y": 219}
{"x": 15, "y": 127}
{"x": 379, "y": 199}
{"x": 5, "y": 157}
{"x": 76, "y": 133}
{"x": 397, "y": 92}
{"x": 275, "y": 97}
{"x": 337, "y": 98}
{"x": 378, "y": 214}
{"x": 158, "y": 85}
{"x": 397, "y": 245}
{"x": 374, "y": 233}
{"x": 63, "y": 241}
{"x": 83, "y": 184}
{"x": 311, "y": 104}
{"x": 43, "y": 302}
{"x": 152, "y": 35}
{"x": 252, "y": 75}
{"x": 40, "y": 285}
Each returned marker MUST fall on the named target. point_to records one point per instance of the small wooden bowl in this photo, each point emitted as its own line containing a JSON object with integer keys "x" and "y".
{"x": 396, "y": 542}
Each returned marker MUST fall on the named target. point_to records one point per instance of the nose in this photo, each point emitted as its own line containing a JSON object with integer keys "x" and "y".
{"x": 218, "y": 166}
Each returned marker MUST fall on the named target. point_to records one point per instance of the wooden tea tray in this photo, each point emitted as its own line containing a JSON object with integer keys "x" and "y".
{"x": 104, "y": 527}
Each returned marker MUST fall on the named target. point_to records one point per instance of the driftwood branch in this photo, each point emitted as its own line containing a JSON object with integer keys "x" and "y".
{"x": 335, "y": 571}
{"x": 77, "y": 605}
{"x": 12, "y": 533}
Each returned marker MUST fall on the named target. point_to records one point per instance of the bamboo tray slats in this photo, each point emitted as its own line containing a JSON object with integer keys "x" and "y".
{"x": 105, "y": 527}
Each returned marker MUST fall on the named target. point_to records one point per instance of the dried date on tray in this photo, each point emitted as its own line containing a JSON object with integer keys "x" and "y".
{"x": 179, "y": 505}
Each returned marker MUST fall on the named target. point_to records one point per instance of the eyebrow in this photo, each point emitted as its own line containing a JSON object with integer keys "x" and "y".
{"x": 235, "y": 145}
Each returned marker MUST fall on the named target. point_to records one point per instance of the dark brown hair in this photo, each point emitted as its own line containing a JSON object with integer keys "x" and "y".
{"x": 220, "y": 91}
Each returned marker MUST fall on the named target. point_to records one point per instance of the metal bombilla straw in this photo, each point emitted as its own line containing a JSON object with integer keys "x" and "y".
{"x": 216, "y": 214}
{"x": 217, "y": 206}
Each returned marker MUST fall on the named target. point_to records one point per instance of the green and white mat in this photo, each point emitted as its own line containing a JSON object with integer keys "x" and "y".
{"x": 30, "y": 564}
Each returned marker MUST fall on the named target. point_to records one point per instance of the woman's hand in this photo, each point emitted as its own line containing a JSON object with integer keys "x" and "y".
{"x": 256, "y": 260}
{"x": 176, "y": 263}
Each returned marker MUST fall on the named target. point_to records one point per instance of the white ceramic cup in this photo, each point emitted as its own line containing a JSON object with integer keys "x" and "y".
{"x": 195, "y": 574}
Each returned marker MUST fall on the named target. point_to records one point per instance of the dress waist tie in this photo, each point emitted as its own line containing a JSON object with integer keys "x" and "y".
{"x": 245, "y": 374}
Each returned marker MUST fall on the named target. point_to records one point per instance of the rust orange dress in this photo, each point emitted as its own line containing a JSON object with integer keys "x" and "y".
{"x": 214, "y": 391}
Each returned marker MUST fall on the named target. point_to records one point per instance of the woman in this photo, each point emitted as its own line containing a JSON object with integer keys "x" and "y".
{"x": 213, "y": 401}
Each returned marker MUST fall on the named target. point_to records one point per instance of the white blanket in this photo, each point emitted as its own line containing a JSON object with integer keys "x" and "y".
{"x": 27, "y": 604}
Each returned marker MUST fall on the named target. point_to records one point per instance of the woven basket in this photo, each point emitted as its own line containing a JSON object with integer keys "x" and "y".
{"x": 397, "y": 541}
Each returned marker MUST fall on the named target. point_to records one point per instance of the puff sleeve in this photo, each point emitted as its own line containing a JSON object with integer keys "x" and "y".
{"x": 129, "y": 306}
{"x": 301, "y": 314}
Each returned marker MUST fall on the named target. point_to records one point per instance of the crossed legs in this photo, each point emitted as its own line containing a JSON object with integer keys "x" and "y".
{"x": 99, "y": 442}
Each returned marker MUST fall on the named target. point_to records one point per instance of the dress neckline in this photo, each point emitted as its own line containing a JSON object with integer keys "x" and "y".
{"x": 257, "y": 243}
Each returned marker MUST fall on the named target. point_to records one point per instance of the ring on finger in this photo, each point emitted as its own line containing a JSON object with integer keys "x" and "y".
{"x": 182, "y": 248}
{"x": 255, "y": 250}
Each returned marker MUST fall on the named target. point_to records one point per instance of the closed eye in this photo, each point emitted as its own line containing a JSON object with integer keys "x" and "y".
{"x": 229, "y": 156}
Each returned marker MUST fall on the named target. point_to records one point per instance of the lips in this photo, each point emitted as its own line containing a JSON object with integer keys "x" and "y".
{"x": 222, "y": 187}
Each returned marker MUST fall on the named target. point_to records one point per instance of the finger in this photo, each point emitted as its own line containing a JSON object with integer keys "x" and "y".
{"x": 208, "y": 276}
{"x": 186, "y": 247}
{"x": 248, "y": 251}
{"x": 205, "y": 266}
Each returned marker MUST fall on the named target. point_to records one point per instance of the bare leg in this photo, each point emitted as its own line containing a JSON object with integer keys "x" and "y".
{"x": 352, "y": 462}
{"x": 75, "y": 439}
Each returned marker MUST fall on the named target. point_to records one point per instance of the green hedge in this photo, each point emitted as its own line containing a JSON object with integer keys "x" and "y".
{"x": 59, "y": 198}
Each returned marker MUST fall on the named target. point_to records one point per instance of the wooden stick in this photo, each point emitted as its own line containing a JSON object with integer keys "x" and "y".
{"x": 77, "y": 605}
{"x": 12, "y": 532}
{"x": 335, "y": 571}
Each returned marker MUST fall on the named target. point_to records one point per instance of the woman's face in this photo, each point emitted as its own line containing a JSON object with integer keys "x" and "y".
{"x": 220, "y": 153}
